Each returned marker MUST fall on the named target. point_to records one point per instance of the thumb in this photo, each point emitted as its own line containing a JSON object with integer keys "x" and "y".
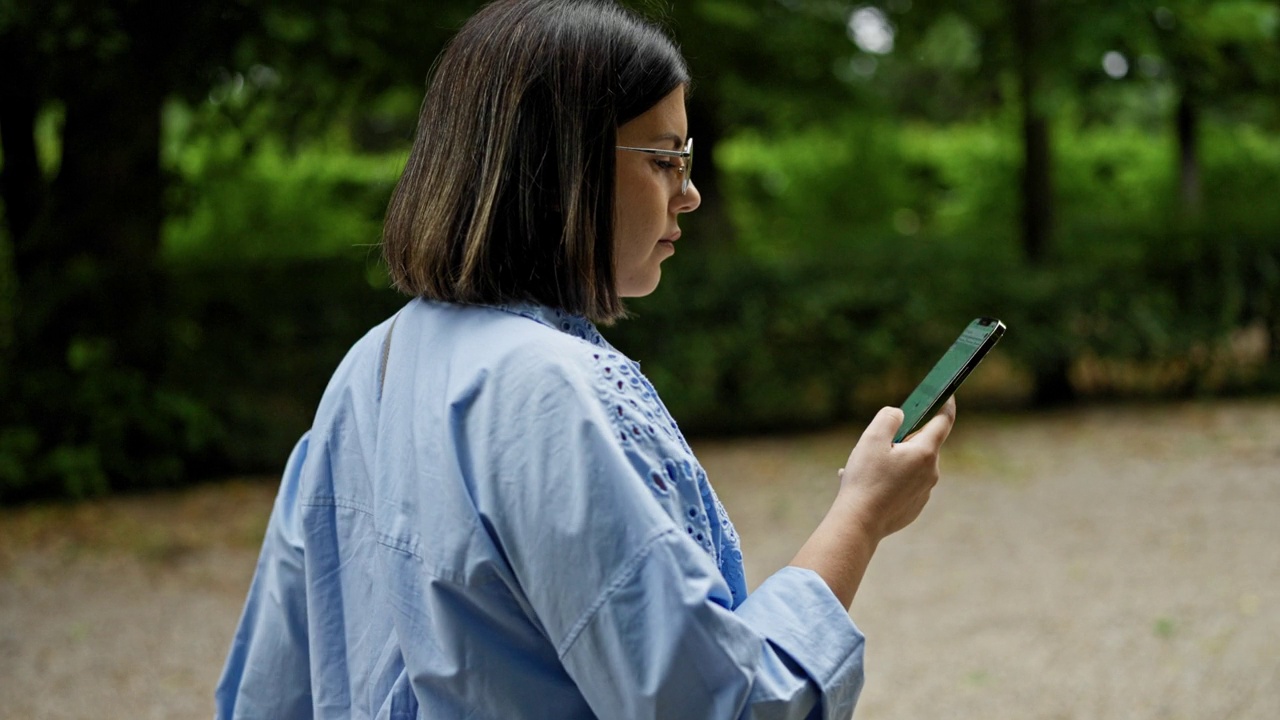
{"x": 884, "y": 426}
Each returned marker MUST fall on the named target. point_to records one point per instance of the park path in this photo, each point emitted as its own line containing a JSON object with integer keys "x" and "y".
{"x": 1108, "y": 562}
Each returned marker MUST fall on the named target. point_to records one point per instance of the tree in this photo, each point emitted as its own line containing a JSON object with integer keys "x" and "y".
{"x": 85, "y": 241}
{"x": 766, "y": 64}
{"x": 84, "y": 393}
{"x": 1214, "y": 51}
{"x": 1029, "y": 41}
{"x": 1210, "y": 50}
{"x": 108, "y": 67}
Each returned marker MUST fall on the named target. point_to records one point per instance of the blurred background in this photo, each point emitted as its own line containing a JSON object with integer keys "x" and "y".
{"x": 192, "y": 198}
{"x": 192, "y": 195}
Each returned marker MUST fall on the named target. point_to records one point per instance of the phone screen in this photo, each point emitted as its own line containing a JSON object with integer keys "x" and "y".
{"x": 951, "y": 370}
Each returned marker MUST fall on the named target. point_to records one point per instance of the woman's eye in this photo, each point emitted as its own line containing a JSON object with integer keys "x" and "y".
{"x": 668, "y": 165}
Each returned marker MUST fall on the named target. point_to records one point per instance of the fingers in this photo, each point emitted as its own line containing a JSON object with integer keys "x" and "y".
{"x": 883, "y": 426}
{"x": 885, "y": 485}
{"x": 935, "y": 431}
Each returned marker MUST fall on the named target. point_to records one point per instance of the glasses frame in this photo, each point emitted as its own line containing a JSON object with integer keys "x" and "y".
{"x": 686, "y": 168}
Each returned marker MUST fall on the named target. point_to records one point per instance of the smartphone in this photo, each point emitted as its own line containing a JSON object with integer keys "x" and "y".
{"x": 956, "y": 364}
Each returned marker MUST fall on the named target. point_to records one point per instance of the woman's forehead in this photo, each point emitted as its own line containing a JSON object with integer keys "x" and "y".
{"x": 665, "y": 124}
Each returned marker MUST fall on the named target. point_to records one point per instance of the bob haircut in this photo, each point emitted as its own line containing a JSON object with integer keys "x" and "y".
{"x": 508, "y": 192}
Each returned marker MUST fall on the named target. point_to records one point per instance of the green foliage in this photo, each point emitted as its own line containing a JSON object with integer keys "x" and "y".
{"x": 837, "y": 185}
{"x": 8, "y": 303}
{"x": 272, "y": 204}
{"x": 810, "y": 190}
{"x": 961, "y": 180}
{"x": 104, "y": 428}
{"x": 767, "y": 344}
{"x": 1242, "y": 165}
{"x": 951, "y": 43}
{"x": 256, "y": 342}
{"x": 248, "y": 196}
{"x": 823, "y": 314}
{"x": 764, "y": 344}
{"x": 1107, "y": 176}
{"x": 923, "y": 218}
{"x": 873, "y": 208}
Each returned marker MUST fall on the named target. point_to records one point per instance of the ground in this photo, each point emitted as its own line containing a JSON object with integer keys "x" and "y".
{"x": 1110, "y": 562}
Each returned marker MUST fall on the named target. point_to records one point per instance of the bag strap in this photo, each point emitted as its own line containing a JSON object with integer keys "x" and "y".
{"x": 386, "y": 354}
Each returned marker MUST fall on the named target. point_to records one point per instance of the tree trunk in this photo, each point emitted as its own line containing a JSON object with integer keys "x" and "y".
{"x": 711, "y": 225}
{"x": 1052, "y": 383}
{"x": 1189, "y": 192}
{"x": 1036, "y": 185}
{"x": 1273, "y": 338}
{"x": 88, "y": 269}
{"x": 1037, "y": 192}
{"x": 21, "y": 182}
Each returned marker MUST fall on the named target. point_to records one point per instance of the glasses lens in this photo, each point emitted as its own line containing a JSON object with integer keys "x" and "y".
{"x": 688, "y": 167}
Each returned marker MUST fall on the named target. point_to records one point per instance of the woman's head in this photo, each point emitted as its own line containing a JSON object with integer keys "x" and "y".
{"x": 508, "y": 193}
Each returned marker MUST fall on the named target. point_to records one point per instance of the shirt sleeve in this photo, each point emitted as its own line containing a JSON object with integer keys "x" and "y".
{"x": 267, "y": 672}
{"x": 640, "y": 615}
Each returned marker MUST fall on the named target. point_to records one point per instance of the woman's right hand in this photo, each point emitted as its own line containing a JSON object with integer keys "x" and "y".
{"x": 884, "y": 486}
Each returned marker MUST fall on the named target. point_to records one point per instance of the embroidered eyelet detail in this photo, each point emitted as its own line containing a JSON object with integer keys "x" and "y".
{"x": 670, "y": 467}
{"x": 644, "y": 421}
{"x": 641, "y": 420}
{"x": 570, "y": 324}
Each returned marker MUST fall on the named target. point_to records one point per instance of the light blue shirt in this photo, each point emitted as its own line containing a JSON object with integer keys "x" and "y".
{"x": 509, "y": 524}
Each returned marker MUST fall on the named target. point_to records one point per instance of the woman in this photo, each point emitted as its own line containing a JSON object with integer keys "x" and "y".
{"x": 493, "y": 515}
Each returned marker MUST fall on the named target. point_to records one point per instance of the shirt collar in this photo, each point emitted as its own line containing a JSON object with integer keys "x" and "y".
{"x": 568, "y": 323}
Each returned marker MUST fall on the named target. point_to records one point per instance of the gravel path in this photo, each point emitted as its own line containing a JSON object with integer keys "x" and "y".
{"x": 1119, "y": 562}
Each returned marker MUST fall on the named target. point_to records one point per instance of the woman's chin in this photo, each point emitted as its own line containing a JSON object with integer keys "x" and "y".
{"x": 640, "y": 287}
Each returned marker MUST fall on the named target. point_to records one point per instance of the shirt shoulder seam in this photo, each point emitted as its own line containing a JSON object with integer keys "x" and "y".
{"x": 620, "y": 578}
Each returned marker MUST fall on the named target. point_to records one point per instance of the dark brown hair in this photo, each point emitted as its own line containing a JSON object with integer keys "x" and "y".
{"x": 508, "y": 192}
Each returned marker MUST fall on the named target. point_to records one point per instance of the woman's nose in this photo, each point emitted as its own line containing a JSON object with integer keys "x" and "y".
{"x": 689, "y": 201}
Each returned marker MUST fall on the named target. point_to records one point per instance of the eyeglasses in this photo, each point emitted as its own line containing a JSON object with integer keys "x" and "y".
{"x": 686, "y": 167}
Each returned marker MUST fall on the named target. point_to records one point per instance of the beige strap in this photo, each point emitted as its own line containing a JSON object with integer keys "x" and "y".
{"x": 386, "y": 353}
